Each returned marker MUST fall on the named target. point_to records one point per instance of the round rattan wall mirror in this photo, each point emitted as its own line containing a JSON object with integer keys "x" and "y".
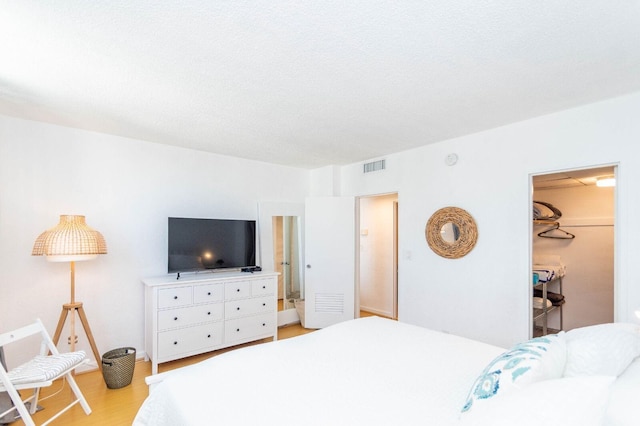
{"x": 451, "y": 232}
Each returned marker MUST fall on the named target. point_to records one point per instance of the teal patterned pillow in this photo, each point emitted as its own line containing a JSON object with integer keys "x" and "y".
{"x": 538, "y": 359}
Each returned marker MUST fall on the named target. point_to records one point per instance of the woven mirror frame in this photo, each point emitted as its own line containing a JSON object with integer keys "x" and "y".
{"x": 464, "y": 241}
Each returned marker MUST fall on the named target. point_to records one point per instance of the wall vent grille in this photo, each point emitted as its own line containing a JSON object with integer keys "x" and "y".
{"x": 374, "y": 166}
{"x": 330, "y": 302}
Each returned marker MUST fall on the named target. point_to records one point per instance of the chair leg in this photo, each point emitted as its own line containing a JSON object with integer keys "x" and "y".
{"x": 76, "y": 390}
{"x": 34, "y": 401}
{"x": 19, "y": 404}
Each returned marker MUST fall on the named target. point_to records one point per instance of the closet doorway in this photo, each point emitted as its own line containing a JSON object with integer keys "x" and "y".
{"x": 573, "y": 238}
{"x": 378, "y": 255}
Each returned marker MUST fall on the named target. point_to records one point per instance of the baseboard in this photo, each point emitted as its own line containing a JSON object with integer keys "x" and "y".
{"x": 141, "y": 356}
{"x": 286, "y": 317}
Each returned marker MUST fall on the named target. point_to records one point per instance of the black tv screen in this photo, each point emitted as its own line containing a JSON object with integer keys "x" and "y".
{"x": 206, "y": 244}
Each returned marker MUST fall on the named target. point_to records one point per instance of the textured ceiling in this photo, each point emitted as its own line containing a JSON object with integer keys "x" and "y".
{"x": 308, "y": 83}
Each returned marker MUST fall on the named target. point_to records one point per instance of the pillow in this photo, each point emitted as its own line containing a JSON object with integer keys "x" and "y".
{"x": 569, "y": 401}
{"x": 541, "y": 358}
{"x": 604, "y": 349}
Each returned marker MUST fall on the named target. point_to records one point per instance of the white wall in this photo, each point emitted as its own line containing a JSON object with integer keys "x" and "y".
{"x": 587, "y": 213}
{"x": 376, "y": 254}
{"x": 126, "y": 189}
{"x": 486, "y": 295}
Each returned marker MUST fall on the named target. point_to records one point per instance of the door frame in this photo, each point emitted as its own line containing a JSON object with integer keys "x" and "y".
{"x": 618, "y": 297}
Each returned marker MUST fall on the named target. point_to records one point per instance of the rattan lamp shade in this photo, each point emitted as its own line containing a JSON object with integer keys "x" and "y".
{"x": 71, "y": 239}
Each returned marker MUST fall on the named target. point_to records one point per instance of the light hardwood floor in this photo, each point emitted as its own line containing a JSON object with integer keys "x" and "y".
{"x": 115, "y": 407}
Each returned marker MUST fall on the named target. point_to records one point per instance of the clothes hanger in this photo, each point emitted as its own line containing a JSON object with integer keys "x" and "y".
{"x": 555, "y": 212}
{"x": 549, "y": 233}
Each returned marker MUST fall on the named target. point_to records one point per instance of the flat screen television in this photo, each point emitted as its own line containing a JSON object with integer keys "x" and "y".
{"x": 208, "y": 244}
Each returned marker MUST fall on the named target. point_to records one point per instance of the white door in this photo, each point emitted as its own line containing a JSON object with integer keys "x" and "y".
{"x": 330, "y": 259}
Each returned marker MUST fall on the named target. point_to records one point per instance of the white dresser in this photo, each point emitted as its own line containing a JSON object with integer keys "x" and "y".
{"x": 203, "y": 312}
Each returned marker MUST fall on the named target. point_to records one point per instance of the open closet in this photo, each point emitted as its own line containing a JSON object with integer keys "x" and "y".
{"x": 572, "y": 250}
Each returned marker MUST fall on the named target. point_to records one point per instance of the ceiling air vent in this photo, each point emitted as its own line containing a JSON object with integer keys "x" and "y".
{"x": 374, "y": 166}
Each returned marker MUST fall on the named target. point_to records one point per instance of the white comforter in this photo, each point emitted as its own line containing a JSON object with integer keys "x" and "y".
{"x": 369, "y": 371}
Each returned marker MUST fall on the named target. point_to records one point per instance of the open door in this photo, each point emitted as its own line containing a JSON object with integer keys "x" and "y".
{"x": 330, "y": 255}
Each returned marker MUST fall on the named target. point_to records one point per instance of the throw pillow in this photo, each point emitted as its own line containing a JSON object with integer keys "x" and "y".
{"x": 538, "y": 359}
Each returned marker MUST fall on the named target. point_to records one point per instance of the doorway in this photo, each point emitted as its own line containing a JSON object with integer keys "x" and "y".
{"x": 378, "y": 255}
{"x": 573, "y": 242}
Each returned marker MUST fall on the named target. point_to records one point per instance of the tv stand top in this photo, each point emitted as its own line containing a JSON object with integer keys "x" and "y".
{"x": 196, "y": 277}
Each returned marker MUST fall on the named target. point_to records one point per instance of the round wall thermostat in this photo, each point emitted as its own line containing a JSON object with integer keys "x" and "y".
{"x": 451, "y": 159}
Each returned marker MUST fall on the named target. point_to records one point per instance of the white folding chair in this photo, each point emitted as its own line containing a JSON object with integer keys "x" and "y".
{"x": 39, "y": 372}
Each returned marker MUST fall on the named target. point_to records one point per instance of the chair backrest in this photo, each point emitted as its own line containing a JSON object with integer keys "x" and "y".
{"x": 29, "y": 330}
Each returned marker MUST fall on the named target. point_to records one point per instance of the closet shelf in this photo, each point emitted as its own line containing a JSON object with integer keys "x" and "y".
{"x": 543, "y": 313}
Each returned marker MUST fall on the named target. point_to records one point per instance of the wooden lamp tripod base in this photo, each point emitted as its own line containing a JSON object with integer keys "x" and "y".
{"x": 73, "y": 308}
{"x": 76, "y": 307}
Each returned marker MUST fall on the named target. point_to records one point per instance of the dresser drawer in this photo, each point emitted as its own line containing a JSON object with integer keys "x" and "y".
{"x": 186, "y": 340}
{"x": 245, "y": 328}
{"x": 263, "y": 287}
{"x": 242, "y": 308}
{"x": 237, "y": 290}
{"x": 174, "y": 297}
{"x": 208, "y": 293}
{"x": 183, "y": 317}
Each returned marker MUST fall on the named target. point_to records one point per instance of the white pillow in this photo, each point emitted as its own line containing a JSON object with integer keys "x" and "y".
{"x": 604, "y": 349}
{"x": 579, "y": 401}
{"x": 541, "y": 358}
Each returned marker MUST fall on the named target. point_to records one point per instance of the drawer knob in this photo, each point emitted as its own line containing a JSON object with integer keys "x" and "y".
{"x": 208, "y": 313}
{"x": 175, "y": 343}
{"x": 264, "y": 286}
{"x": 175, "y": 318}
{"x": 238, "y": 290}
{"x": 237, "y": 329}
{"x": 208, "y": 336}
{"x": 238, "y": 308}
{"x": 209, "y": 293}
{"x": 175, "y": 297}
{"x": 263, "y": 324}
{"x": 264, "y": 304}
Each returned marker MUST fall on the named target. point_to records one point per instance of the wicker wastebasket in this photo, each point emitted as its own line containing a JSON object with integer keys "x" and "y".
{"x": 117, "y": 367}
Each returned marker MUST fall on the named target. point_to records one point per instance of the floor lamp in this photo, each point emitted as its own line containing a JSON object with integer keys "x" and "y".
{"x": 72, "y": 241}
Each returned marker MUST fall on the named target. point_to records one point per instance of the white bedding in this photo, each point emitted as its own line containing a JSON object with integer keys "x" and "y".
{"x": 374, "y": 371}
{"x": 622, "y": 407}
{"x": 369, "y": 371}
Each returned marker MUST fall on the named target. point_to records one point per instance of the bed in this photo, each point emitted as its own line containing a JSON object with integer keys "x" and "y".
{"x": 376, "y": 371}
